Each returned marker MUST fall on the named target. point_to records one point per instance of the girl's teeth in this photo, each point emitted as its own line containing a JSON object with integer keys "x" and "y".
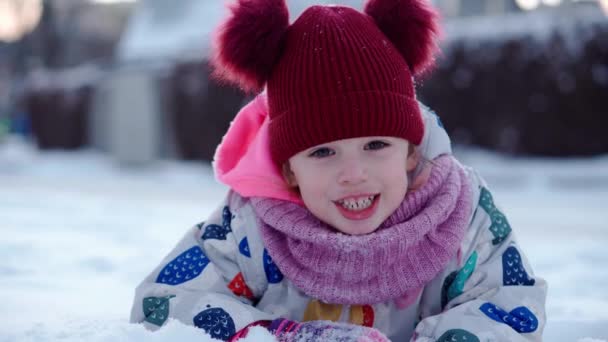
{"x": 360, "y": 204}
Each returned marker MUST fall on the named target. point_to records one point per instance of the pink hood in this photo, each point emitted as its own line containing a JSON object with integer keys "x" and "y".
{"x": 242, "y": 160}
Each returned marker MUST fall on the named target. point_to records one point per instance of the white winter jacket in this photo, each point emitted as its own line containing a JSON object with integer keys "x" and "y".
{"x": 220, "y": 278}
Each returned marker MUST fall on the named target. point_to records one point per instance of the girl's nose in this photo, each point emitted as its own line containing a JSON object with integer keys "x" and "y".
{"x": 352, "y": 172}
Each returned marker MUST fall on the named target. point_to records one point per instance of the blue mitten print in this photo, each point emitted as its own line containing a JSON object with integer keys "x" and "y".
{"x": 521, "y": 319}
{"x": 273, "y": 274}
{"x": 513, "y": 272}
{"x": 244, "y": 247}
{"x": 216, "y": 322}
{"x": 214, "y": 231}
{"x": 184, "y": 267}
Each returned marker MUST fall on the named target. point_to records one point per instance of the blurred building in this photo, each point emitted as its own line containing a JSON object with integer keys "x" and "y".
{"x": 470, "y": 8}
{"x": 141, "y": 67}
{"x": 456, "y": 8}
{"x": 78, "y": 31}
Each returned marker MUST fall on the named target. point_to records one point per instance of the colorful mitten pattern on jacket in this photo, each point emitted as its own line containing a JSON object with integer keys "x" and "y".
{"x": 290, "y": 331}
{"x": 315, "y": 331}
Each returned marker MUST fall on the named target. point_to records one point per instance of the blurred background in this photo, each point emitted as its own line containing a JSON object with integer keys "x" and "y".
{"x": 109, "y": 119}
{"x": 516, "y": 76}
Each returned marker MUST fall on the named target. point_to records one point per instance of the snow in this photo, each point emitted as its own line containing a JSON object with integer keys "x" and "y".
{"x": 541, "y": 24}
{"x": 121, "y": 331}
{"x": 528, "y": 36}
{"x": 161, "y": 29}
{"x": 80, "y": 231}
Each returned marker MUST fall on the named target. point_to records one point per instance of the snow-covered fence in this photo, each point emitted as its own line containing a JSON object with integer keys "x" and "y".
{"x": 57, "y": 103}
{"x": 200, "y": 108}
{"x": 529, "y": 83}
{"x": 523, "y": 83}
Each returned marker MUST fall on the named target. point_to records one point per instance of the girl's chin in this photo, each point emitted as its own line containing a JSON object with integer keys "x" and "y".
{"x": 354, "y": 230}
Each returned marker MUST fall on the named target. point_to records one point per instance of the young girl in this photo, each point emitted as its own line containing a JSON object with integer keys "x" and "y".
{"x": 348, "y": 218}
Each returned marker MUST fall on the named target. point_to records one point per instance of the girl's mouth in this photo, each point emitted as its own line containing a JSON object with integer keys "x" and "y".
{"x": 358, "y": 208}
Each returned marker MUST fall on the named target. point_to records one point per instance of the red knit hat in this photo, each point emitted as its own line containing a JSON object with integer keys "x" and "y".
{"x": 335, "y": 73}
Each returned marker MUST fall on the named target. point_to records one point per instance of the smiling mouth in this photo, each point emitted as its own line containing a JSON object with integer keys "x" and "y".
{"x": 358, "y": 203}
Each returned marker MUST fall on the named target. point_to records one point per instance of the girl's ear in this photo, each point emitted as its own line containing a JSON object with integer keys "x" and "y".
{"x": 421, "y": 178}
{"x": 413, "y": 159}
{"x": 288, "y": 175}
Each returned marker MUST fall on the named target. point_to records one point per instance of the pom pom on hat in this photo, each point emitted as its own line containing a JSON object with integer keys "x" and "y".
{"x": 248, "y": 44}
{"x": 412, "y": 27}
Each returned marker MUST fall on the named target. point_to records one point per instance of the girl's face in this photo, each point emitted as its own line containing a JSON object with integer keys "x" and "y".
{"x": 354, "y": 184}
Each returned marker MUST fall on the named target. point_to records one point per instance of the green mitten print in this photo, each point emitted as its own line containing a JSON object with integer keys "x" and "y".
{"x": 500, "y": 227}
{"x": 458, "y": 335}
{"x": 156, "y": 309}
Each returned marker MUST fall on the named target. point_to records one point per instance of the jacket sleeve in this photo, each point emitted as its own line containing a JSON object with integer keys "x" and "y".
{"x": 490, "y": 293}
{"x": 208, "y": 280}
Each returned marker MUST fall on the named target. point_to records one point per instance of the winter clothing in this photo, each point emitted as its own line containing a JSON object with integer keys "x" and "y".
{"x": 335, "y": 94}
{"x": 221, "y": 276}
{"x": 338, "y": 75}
{"x": 290, "y": 331}
{"x": 343, "y": 269}
{"x": 243, "y": 162}
{"x": 444, "y": 266}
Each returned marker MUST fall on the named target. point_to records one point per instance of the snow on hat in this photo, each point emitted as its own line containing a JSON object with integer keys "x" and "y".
{"x": 335, "y": 73}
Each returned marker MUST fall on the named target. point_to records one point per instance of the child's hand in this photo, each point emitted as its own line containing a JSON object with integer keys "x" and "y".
{"x": 290, "y": 331}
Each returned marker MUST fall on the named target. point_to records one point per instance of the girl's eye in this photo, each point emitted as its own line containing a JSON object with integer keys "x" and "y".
{"x": 321, "y": 153}
{"x": 376, "y": 145}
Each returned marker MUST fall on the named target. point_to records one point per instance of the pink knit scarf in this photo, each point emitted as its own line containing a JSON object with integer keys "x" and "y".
{"x": 406, "y": 252}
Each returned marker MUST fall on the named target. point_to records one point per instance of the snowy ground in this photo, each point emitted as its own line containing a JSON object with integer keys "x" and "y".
{"x": 79, "y": 232}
